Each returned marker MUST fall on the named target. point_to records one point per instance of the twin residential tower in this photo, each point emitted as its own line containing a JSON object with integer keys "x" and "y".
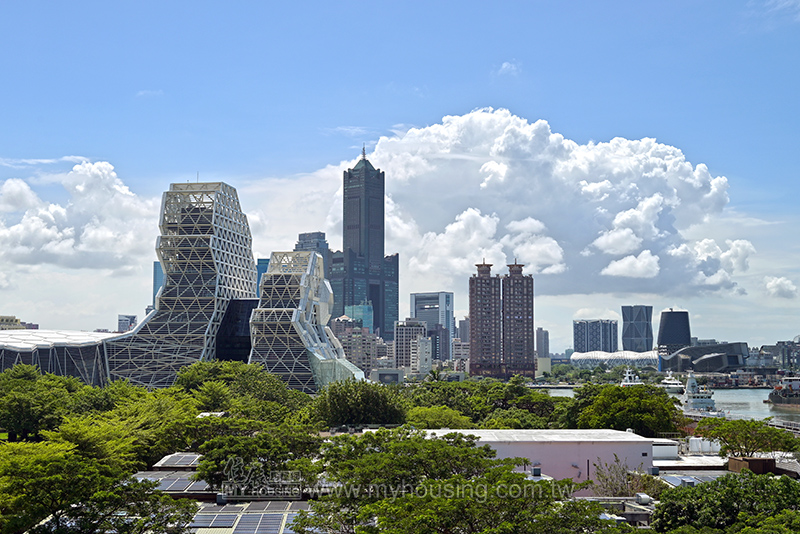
{"x": 501, "y": 330}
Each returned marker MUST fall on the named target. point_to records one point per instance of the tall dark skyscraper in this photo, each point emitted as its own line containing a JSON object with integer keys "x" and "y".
{"x": 595, "y": 334}
{"x": 637, "y": 328}
{"x": 673, "y": 331}
{"x": 361, "y": 273}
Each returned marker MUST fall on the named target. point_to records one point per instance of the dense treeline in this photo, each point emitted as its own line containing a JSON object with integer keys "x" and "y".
{"x": 71, "y": 449}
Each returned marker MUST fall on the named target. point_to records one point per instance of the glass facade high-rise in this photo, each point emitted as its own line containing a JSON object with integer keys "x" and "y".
{"x": 360, "y": 272}
{"x": 262, "y": 264}
{"x": 595, "y": 334}
{"x": 436, "y": 309}
{"x": 542, "y": 343}
{"x": 361, "y": 312}
{"x": 637, "y": 328}
{"x": 316, "y": 241}
{"x": 673, "y": 331}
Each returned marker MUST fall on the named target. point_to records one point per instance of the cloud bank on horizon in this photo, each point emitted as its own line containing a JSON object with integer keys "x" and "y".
{"x": 102, "y": 225}
{"x": 597, "y": 217}
{"x": 601, "y": 217}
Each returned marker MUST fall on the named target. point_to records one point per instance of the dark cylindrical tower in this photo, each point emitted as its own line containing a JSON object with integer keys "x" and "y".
{"x": 673, "y": 331}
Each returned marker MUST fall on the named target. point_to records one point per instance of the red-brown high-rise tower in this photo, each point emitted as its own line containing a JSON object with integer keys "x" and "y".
{"x": 485, "y": 327}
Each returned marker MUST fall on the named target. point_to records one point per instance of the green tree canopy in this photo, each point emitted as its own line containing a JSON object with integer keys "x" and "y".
{"x": 719, "y": 503}
{"x": 31, "y": 402}
{"x": 745, "y": 437}
{"x": 648, "y": 410}
{"x": 251, "y": 457}
{"x": 437, "y": 417}
{"x": 358, "y": 402}
{"x": 498, "y": 501}
{"x": 79, "y": 492}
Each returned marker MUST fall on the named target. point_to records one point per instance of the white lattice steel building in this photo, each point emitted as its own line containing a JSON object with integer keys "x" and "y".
{"x": 590, "y": 360}
{"x": 62, "y": 352}
{"x": 205, "y": 249}
{"x": 287, "y": 330}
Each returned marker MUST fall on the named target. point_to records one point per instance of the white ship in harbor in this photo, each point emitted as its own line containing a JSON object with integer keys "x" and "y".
{"x": 630, "y": 379}
{"x": 697, "y": 399}
{"x": 671, "y": 384}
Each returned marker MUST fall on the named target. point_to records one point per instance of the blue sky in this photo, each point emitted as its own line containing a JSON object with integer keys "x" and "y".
{"x": 277, "y": 98}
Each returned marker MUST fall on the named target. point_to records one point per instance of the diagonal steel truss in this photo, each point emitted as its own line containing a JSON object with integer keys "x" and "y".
{"x": 205, "y": 249}
{"x": 287, "y": 331}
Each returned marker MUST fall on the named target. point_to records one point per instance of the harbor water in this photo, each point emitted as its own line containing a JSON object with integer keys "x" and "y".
{"x": 741, "y": 403}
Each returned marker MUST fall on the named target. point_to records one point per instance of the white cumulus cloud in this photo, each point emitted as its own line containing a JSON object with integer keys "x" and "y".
{"x": 17, "y": 196}
{"x": 102, "y": 225}
{"x": 629, "y": 198}
{"x": 645, "y": 265}
{"x": 618, "y": 241}
{"x": 529, "y": 245}
{"x": 489, "y": 185}
{"x": 780, "y": 287}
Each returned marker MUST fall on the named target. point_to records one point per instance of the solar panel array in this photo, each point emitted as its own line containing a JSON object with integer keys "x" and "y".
{"x": 259, "y": 524}
{"x": 261, "y": 517}
{"x": 213, "y": 521}
{"x": 288, "y": 529}
{"x": 182, "y": 485}
{"x": 180, "y": 460}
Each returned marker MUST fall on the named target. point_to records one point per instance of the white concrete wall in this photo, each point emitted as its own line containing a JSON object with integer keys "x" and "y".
{"x": 575, "y": 460}
{"x": 566, "y": 454}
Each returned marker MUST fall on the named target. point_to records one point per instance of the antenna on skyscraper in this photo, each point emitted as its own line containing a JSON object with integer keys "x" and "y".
{"x": 364, "y": 151}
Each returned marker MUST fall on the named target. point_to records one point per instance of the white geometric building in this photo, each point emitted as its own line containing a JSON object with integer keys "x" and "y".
{"x": 287, "y": 331}
{"x": 61, "y": 352}
{"x": 205, "y": 250}
{"x": 590, "y": 360}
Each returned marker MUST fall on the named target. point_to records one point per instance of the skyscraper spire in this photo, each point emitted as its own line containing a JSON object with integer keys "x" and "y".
{"x": 364, "y": 151}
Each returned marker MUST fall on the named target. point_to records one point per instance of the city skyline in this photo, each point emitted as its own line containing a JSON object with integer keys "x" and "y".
{"x": 654, "y": 166}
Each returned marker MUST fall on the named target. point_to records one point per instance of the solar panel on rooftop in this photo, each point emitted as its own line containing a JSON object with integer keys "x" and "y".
{"x": 288, "y": 529}
{"x": 259, "y": 524}
{"x": 213, "y": 521}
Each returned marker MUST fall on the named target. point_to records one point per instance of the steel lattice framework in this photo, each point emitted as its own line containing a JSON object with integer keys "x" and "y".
{"x": 205, "y": 249}
{"x": 287, "y": 329}
{"x": 61, "y": 352}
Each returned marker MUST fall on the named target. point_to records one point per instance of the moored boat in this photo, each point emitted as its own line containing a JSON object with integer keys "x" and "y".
{"x": 671, "y": 384}
{"x": 787, "y": 393}
{"x": 630, "y": 379}
{"x": 697, "y": 399}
